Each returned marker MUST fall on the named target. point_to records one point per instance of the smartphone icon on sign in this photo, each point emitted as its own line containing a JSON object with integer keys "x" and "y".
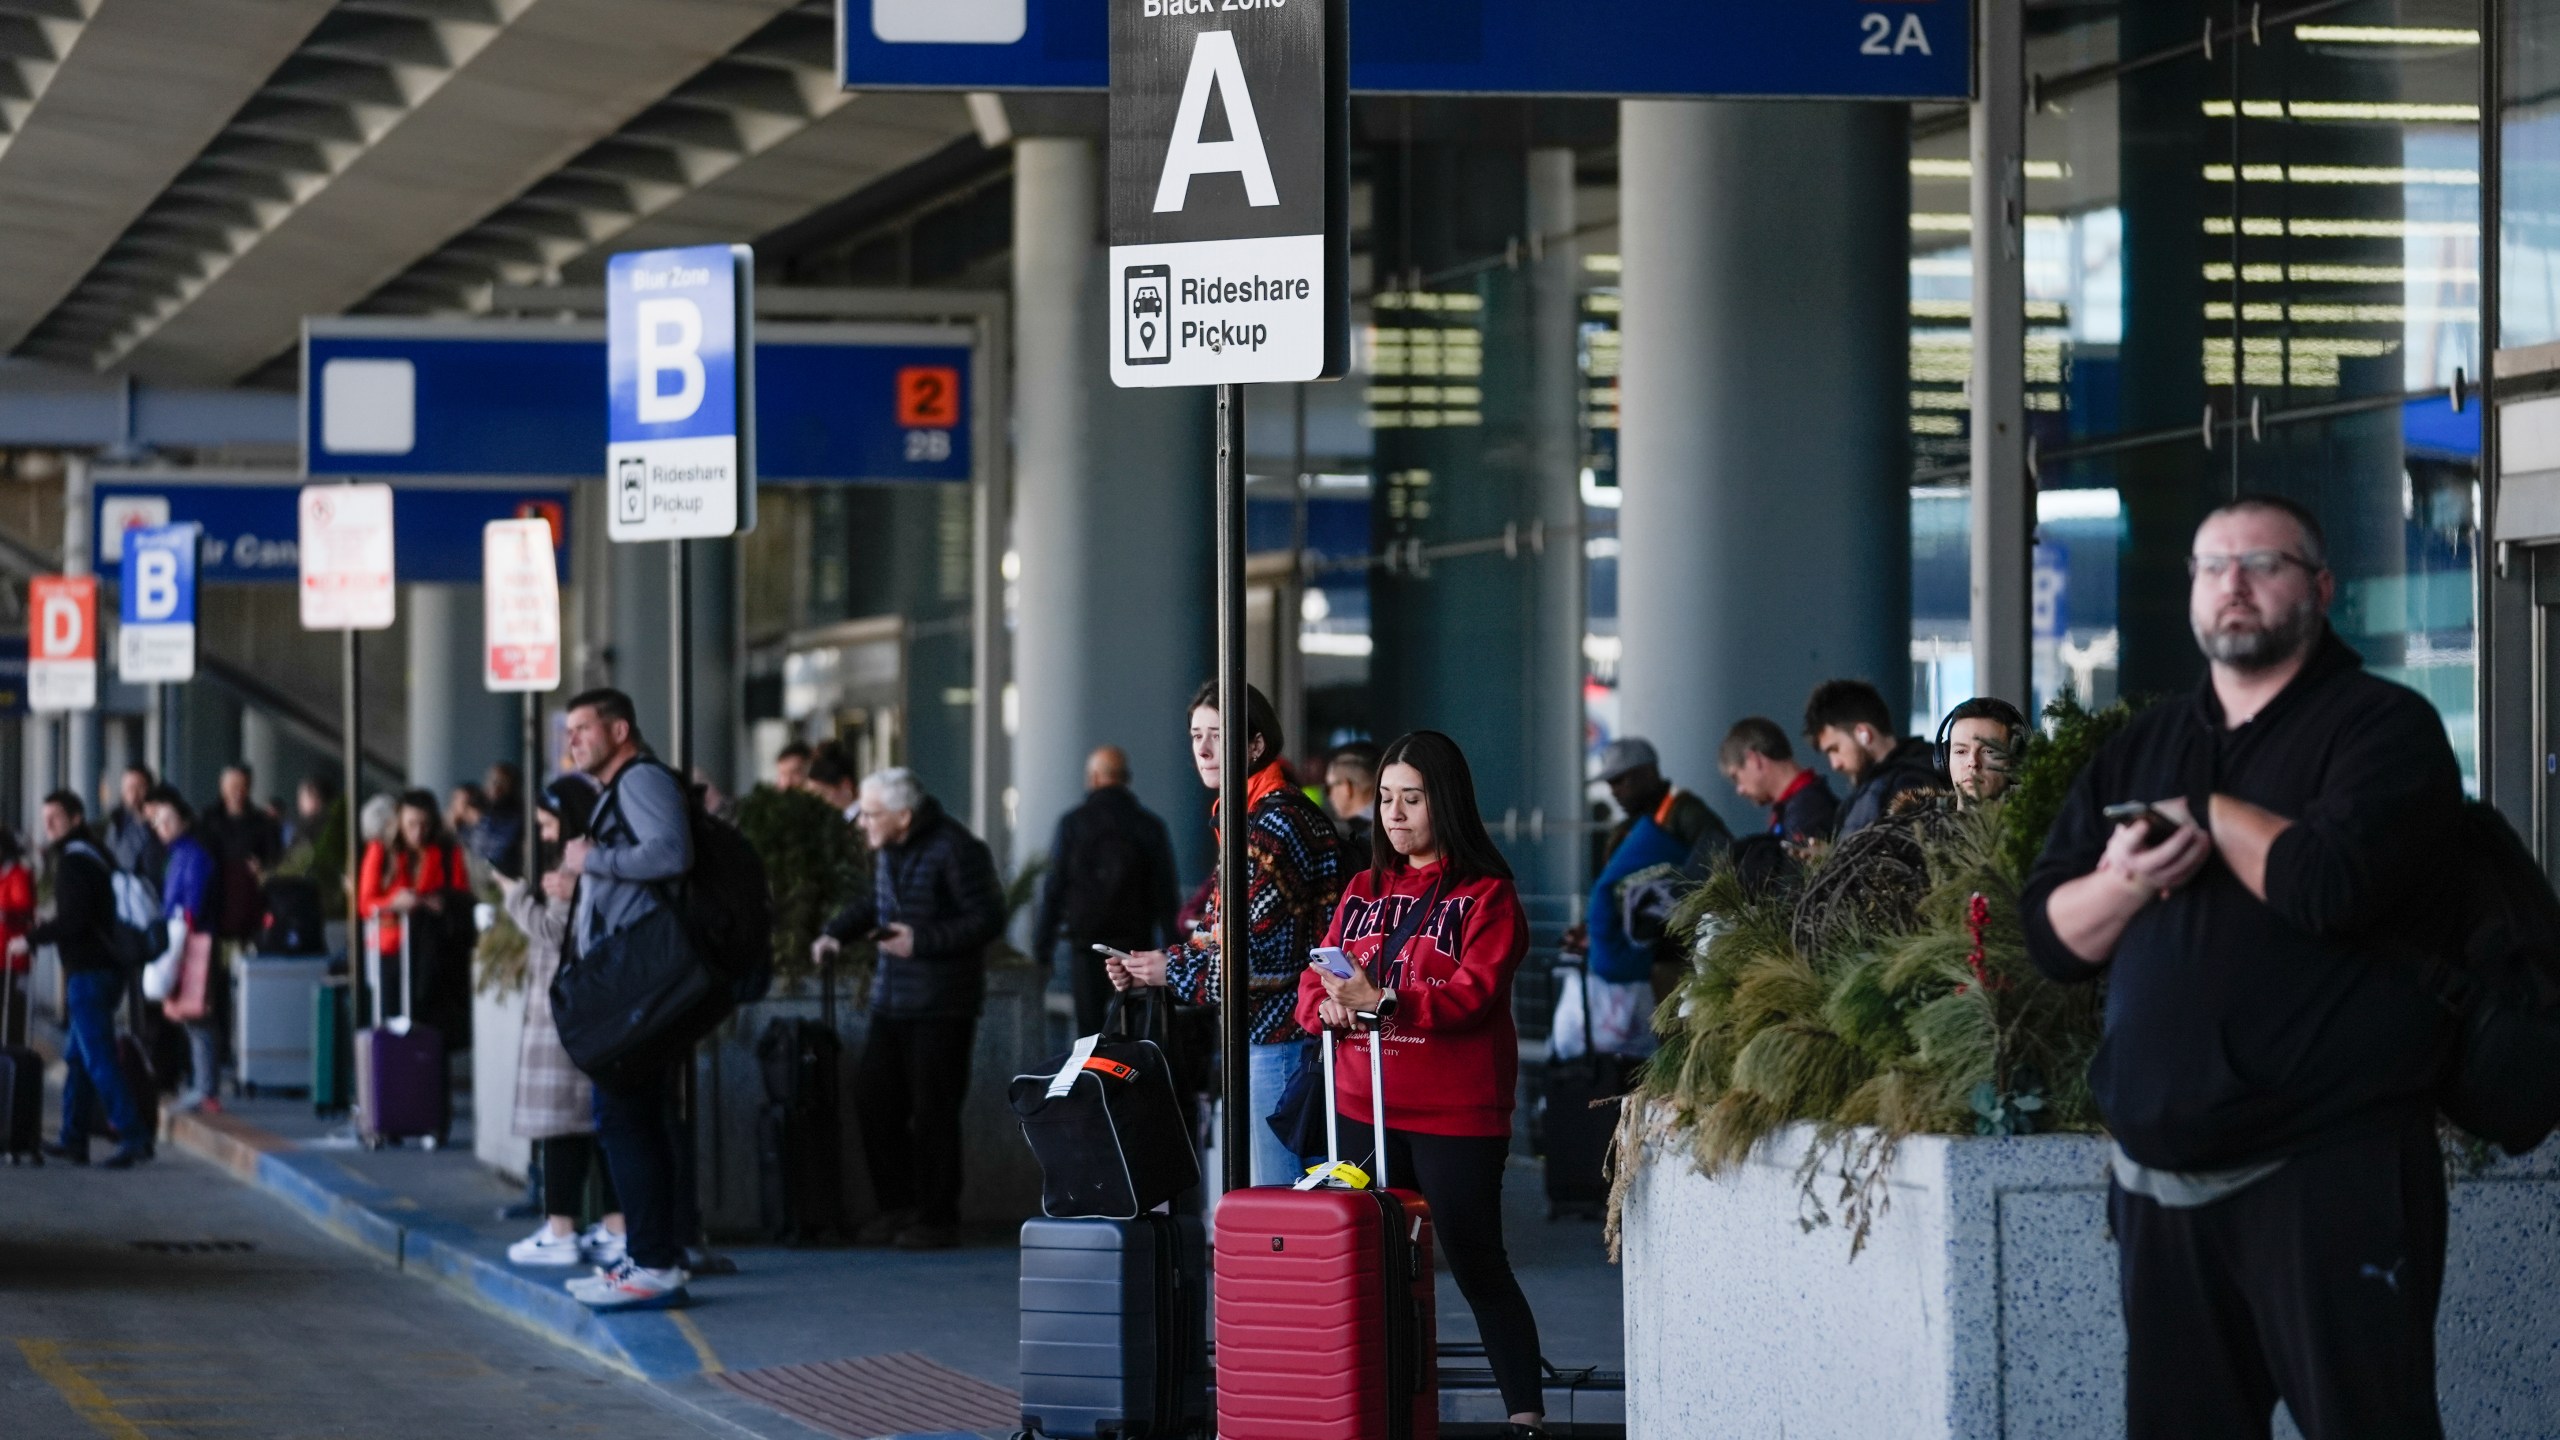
{"x": 1147, "y": 314}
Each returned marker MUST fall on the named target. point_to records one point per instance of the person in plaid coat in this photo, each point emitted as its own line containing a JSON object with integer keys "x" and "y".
{"x": 555, "y": 1102}
{"x": 1295, "y": 868}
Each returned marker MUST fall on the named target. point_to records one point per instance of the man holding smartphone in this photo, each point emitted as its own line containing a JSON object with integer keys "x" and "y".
{"x": 2269, "y": 1061}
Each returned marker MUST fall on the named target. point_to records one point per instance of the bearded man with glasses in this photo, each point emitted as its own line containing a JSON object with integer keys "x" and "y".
{"x": 2268, "y": 1064}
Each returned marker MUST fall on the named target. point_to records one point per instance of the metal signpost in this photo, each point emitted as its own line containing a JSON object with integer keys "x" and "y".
{"x": 1777, "y": 49}
{"x": 1230, "y": 265}
{"x": 680, "y": 437}
{"x": 344, "y": 553}
{"x": 521, "y": 649}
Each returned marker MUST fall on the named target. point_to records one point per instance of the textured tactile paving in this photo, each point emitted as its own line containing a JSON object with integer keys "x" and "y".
{"x": 879, "y": 1395}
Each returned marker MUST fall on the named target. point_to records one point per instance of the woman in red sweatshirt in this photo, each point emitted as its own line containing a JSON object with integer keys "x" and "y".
{"x": 1435, "y": 929}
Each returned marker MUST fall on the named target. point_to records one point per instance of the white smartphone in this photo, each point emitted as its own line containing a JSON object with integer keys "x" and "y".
{"x": 1107, "y": 950}
{"x": 1333, "y": 962}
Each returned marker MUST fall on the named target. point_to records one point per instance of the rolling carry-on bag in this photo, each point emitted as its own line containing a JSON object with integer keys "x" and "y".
{"x": 21, "y": 1084}
{"x": 800, "y": 1131}
{"x": 400, "y": 1065}
{"x": 1115, "y": 1325}
{"x": 333, "y": 1062}
{"x": 133, "y": 1062}
{"x": 1580, "y": 1116}
{"x": 1325, "y": 1321}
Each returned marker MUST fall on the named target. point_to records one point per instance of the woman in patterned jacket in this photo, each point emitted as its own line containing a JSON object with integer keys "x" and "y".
{"x": 1295, "y": 867}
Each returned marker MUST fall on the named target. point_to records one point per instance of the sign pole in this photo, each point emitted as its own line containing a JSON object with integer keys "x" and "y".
{"x": 350, "y": 723}
{"x": 1235, "y": 1133}
{"x": 680, "y": 660}
{"x": 531, "y": 799}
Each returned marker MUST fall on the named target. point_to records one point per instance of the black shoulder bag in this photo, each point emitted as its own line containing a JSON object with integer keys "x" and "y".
{"x": 643, "y": 997}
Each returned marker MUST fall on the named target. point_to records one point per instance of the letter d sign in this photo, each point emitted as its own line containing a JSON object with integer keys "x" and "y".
{"x": 60, "y": 632}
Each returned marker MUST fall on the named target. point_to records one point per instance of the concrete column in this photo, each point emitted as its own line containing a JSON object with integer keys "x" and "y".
{"x": 1554, "y": 701}
{"x": 80, "y": 727}
{"x": 1111, "y": 525}
{"x": 208, "y": 739}
{"x": 2003, "y": 513}
{"x": 639, "y": 630}
{"x": 262, "y": 746}
{"x": 456, "y": 727}
{"x": 1764, "y": 534}
{"x": 719, "y": 697}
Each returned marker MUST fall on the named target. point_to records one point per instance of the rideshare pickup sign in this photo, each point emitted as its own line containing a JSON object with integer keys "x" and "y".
{"x": 1230, "y": 194}
{"x": 680, "y": 360}
{"x": 843, "y": 403}
{"x": 1772, "y": 49}
{"x": 157, "y": 599}
{"x": 252, "y": 528}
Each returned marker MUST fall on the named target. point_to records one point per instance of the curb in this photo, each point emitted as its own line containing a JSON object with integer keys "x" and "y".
{"x": 656, "y": 1347}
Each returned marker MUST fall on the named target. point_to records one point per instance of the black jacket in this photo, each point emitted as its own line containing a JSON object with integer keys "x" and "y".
{"x": 1811, "y": 813}
{"x": 84, "y": 907}
{"x": 1110, "y": 877}
{"x": 940, "y": 881}
{"x": 2241, "y": 1030}
{"x": 1913, "y": 765}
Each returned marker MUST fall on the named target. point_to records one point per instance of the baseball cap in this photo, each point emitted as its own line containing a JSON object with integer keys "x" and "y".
{"x": 1625, "y": 754}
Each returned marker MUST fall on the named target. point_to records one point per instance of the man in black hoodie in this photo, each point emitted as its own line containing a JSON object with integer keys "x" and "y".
{"x": 1848, "y": 721}
{"x": 1111, "y": 882}
{"x": 934, "y": 907}
{"x": 2269, "y": 1055}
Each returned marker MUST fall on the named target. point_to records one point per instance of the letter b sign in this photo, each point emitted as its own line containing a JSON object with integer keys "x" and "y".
{"x": 156, "y": 584}
{"x": 670, "y": 341}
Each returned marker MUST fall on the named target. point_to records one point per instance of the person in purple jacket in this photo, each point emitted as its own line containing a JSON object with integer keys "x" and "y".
{"x": 186, "y": 890}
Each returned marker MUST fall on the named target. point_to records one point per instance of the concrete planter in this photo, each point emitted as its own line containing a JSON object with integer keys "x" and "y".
{"x": 1985, "y": 1302}
{"x": 1001, "y": 1184}
{"x": 497, "y": 1030}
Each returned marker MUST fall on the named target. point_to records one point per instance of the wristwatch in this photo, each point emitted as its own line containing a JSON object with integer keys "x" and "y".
{"x": 1385, "y": 1009}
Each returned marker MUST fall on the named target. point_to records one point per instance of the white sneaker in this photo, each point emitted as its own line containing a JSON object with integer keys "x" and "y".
{"x": 603, "y": 1248}
{"x": 632, "y": 1287}
{"x": 545, "y": 1247}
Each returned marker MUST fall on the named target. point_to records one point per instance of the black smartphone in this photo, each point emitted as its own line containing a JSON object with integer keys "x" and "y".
{"x": 2142, "y": 812}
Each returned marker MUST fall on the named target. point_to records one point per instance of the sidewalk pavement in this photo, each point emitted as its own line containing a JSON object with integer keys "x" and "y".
{"x": 435, "y": 1213}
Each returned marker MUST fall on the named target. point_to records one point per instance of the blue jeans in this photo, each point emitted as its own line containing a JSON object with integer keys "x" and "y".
{"x": 89, "y": 1047}
{"x": 1270, "y": 1068}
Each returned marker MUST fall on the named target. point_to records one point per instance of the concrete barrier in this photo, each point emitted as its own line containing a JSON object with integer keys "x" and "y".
{"x": 497, "y": 1030}
{"x": 1984, "y": 1304}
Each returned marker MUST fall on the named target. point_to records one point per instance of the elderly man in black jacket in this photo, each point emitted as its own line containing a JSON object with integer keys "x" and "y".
{"x": 84, "y": 915}
{"x": 1111, "y": 882}
{"x": 2269, "y": 1055}
{"x": 934, "y": 907}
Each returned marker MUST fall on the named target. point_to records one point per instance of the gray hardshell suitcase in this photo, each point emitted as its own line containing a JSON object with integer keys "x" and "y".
{"x": 1115, "y": 1327}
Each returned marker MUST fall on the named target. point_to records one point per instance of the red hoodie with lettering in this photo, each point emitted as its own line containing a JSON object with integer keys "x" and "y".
{"x": 1452, "y": 1055}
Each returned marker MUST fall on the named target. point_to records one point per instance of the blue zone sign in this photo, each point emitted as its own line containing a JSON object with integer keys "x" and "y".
{"x": 680, "y": 374}
{"x": 1770, "y": 49}
{"x": 519, "y": 399}
{"x": 252, "y": 528}
{"x": 156, "y": 641}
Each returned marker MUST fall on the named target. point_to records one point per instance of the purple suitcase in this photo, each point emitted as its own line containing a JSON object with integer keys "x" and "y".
{"x": 21, "y": 1084}
{"x": 402, "y": 1083}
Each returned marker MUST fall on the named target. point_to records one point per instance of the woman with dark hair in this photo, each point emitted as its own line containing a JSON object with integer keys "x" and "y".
{"x": 1434, "y": 930}
{"x": 416, "y": 876}
{"x": 1295, "y": 864}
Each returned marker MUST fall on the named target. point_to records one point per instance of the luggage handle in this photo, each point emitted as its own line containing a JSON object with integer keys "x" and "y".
{"x": 1333, "y": 1117}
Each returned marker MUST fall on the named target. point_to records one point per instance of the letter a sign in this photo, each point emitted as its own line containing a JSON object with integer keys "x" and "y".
{"x": 1230, "y": 235}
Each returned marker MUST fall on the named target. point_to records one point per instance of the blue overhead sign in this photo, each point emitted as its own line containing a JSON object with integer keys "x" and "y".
{"x": 157, "y": 604}
{"x": 834, "y": 403}
{"x": 1775, "y": 49}
{"x": 252, "y": 528}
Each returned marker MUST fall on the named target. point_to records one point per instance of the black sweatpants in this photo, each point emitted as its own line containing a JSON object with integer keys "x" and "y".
{"x": 913, "y": 1077}
{"x": 635, "y": 1126}
{"x": 566, "y": 1159}
{"x": 1460, "y": 1177}
{"x": 2317, "y": 1286}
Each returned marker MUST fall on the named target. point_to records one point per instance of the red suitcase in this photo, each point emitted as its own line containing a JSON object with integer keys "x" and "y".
{"x": 1324, "y": 1310}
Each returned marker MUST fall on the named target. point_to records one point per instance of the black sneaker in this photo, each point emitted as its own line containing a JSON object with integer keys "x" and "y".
{"x": 925, "y": 1235}
{"x": 1519, "y": 1431}
{"x": 126, "y": 1157}
{"x": 67, "y": 1154}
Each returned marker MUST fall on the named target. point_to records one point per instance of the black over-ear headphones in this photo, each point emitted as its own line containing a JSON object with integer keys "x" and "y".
{"x": 1981, "y": 707}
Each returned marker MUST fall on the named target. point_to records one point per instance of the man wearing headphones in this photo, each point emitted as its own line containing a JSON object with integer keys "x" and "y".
{"x": 1978, "y": 744}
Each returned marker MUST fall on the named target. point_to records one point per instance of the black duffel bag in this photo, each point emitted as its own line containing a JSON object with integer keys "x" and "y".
{"x": 2502, "y": 987}
{"x": 638, "y": 1002}
{"x": 1105, "y": 1123}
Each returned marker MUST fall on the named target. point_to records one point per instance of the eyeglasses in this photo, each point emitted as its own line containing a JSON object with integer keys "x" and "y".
{"x": 2256, "y": 564}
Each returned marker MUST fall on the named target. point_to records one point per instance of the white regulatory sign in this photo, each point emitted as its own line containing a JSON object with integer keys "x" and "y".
{"x": 521, "y": 580}
{"x": 347, "y": 576}
{"x": 1229, "y": 238}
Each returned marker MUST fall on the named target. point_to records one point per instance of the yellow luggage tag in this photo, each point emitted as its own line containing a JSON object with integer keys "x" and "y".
{"x": 1340, "y": 1173}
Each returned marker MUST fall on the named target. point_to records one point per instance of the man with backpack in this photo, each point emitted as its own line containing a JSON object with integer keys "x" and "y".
{"x": 1111, "y": 882}
{"x": 638, "y": 842}
{"x": 82, "y": 931}
{"x": 2271, "y": 1054}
